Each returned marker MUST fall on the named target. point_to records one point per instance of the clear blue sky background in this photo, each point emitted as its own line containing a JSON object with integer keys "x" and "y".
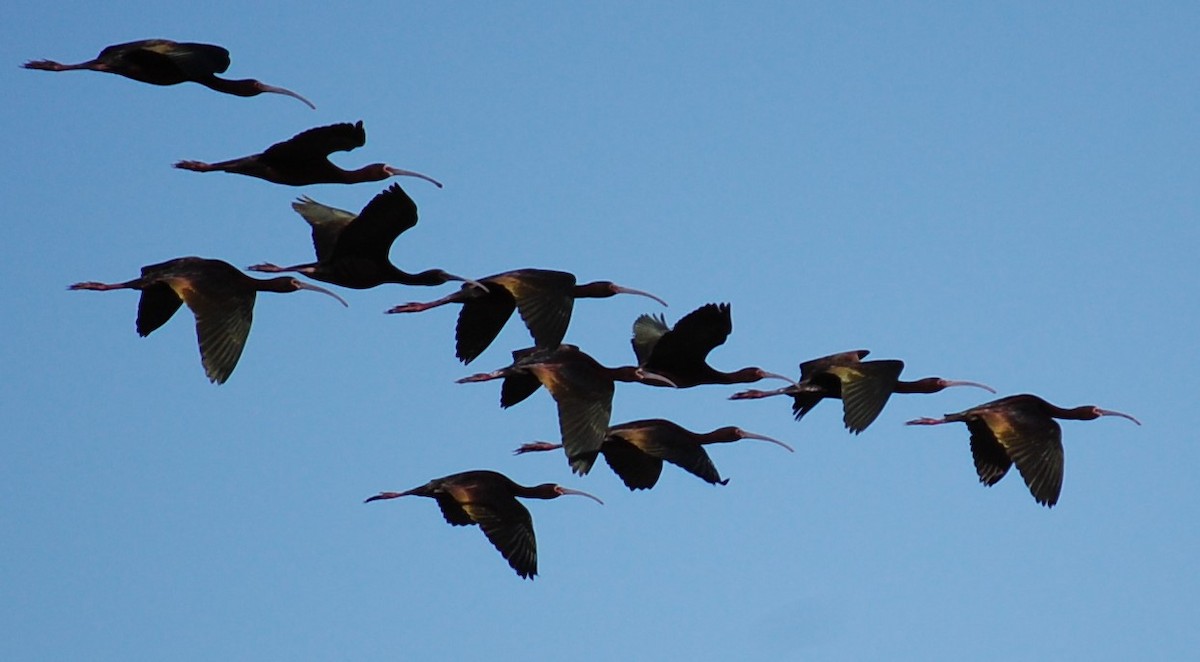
{"x": 1006, "y": 194}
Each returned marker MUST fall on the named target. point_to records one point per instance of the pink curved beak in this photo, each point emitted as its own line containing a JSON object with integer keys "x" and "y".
{"x": 286, "y": 92}
{"x": 397, "y": 172}
{"x": 763, "y": 437}
{"x": 1109, "y": 412}
{"x": 629, "y": 290}
{"x": 314, "y": 288}
{"x": 947, "y": 383}
{"x": 566, "y": 490}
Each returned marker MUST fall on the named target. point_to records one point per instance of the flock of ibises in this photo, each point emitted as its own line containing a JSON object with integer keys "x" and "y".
{"x": 352, "y": 250}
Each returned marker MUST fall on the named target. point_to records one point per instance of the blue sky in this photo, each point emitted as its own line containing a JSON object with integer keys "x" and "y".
{"x": 1005, "y": 194}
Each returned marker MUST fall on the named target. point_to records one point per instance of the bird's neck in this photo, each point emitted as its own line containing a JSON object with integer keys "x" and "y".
{"x": 595, "y": 290}
{"x": 927, "y": 385}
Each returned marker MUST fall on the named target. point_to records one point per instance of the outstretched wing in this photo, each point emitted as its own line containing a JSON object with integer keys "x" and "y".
{"x": 509, "y": 527}
{"x": 866, "y": 388}
{"x": 379, "y": 223}
{"x": 317, "y": 143}
{"x": 1034, "y": 443}
{"x": 544, "y": 300}
{"x": 636, "y": 469}
{"x": 195, "y": 60}
{"x": 647, "y": 330}
{"x": 327, "y": 224}
{"x": 480, "y": 320}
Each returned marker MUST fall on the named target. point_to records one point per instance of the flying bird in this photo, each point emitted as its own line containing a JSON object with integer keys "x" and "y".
{"x": 220, "y": 296}
{"x": 680, "y": 353}
{"x": 543, "y": 298}
{"x": 635, "y": 451}
{"x": 582, "y": 388}
{"x": 1021, "y": 430}
{"x": 863, "y": 386}
{"x": 489, "y": 499}
{"x": 166, "y": 62}
{"x": 304, "y": 159}
{"x": 352, "y": 251}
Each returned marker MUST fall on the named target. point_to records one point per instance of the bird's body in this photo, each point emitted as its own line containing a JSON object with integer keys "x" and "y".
{"x": 582, "y": 389}
{"x": 864, "y": 387}
{"x": 542, "y": 297}
{"x": 304, "y": 159}
{"x": 489, "y": 499}
{"x": 1021, "y": 430}
{"x": 166, "y": 62}
{"x": 220, "y": 297}
{"x": 636, "y": 450}
{"x": 352, "y": 251}
{"x": 680, "y": 353}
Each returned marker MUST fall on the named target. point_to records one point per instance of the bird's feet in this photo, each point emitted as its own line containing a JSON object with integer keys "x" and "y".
{"x": 44, "y": 65}
{"x": 265, "y": 267}
{"x": 410, "y": 307}
{"x": 194, "y": 166}
{"x": 90, "y": 285}
{"x": 754, "y": 394}
{"x": 536, "y": 446}
{"x": 481, "y": 377}
{"x": 926, "y": 421}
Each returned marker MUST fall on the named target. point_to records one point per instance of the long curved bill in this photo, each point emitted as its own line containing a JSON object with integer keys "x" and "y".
{"x": 1109, "y": 412}
{"x": 619, "y": 289}
{"x": 397, "y": 172}
{"x": 314, "y": 288}
{"x": 646, "y": 375}
{"x": 775, "y": 375}
{"x": 763, "y": 437}
{"x": 958, "y": 382}
{"x": 567, "y": 490}
{"x": 286, "y": 92}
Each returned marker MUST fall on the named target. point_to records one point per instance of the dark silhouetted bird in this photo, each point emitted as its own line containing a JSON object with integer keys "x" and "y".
{"x": 863, "y": 386}
{"x": 544, "y": 299}
{"x": 166, "y": 62}
{"x": 489, "y": 499}
{"x": 220, "y": 296}
{"x": 636, "y": 450}
{"x": 352, "y": 251}
{"x": 680, "y": 354}
{"x": 304, "y": 159}
{"x": 1020, "y": 429}
{"x": 582, "y": 388}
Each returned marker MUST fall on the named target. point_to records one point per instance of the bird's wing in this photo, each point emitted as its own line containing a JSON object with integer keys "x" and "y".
{"x": 636, "y": 469}
{"x": 379, "y": 223}
{"x": 516, "y": 387}
{"x": 866, "y": 388}
{"x": 509, "y": 527}
{"x": 156, "y": 305}
{"x": 703, "y": 329}
{"x": 694, "y": 460}
{"x": 544, "y": 300}
{"x": 1034, "y": 442}
{"x": 222, "y": 325}
{"x": 583, "y": 417}
{"x": 814, "y": 366}
{"x": 327, "y": 224}
{"x": 195, "y": 60}
{"x": 452, "y": 510}
{"x": 991, "y": 461}
{"x": 480, "y": 321}
{"x": 647, "y": 330}
{"x": 316, "y": 143}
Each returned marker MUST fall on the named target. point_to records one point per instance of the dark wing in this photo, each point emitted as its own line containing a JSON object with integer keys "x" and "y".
{"x": 636, "y": 469}
{"x": 866, "y": 388}
{"x": 647, "y": 329}
{"x": 1034, "y": 442}
{"x": 991, "y": 461}
{"x": 327, "y": 224}
{"x": 584, "y": 411}
{"x": 516, "y": 387}
{"x": 379, "y": 223}
{"x": 544, "y": 300}
{"x": 480, "y": 321}
{"x": 810, "y": 368}
{"x": 156, "y": 305}
{"x": 222, "y": 324}
{"x": 690, "y": 457}
{"x": 196, "y": 61}
{"x": 452, "y": 511}
{"x": 317, "y": 143}
{"x": 509, "y": 527}
{"x": 694, "y": 336}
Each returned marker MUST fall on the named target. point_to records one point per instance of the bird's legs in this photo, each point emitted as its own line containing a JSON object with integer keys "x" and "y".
{"x": 103, "y": 287}
{"x": 927, "y": 421}
{"x": 536, "y": 446}
{"x": 416, "y": 307}
{"x": 483, "y": 376}
{"x": 754, "y": 394}
{"x": 51, "y": 65}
